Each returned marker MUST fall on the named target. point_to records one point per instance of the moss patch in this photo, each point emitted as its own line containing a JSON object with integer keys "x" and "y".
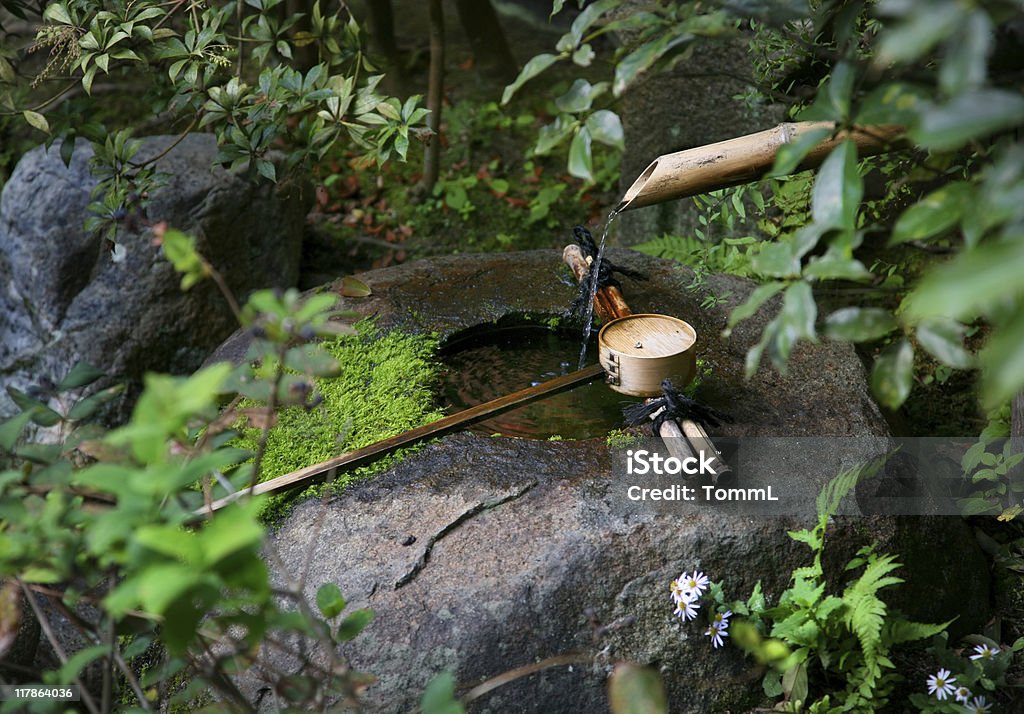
{"x": 386, "y": 386}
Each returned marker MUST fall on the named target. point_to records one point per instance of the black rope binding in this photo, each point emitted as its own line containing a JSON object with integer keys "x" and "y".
{"x": 605, "y": 272}
{"x": 677, "y": 406}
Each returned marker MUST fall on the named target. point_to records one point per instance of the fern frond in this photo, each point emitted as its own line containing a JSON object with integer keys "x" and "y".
{"x": 897, "y": 631}
{"x": 839, "y": 487}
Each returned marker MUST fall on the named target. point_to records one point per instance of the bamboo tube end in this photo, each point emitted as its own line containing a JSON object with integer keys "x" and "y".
{"x": 631, "y": 199}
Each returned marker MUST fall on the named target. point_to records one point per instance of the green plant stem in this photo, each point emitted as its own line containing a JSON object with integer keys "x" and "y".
{"x": 169, "y": 149}
{"x": 261, "y": 448}
{"x": 44, "y": 625}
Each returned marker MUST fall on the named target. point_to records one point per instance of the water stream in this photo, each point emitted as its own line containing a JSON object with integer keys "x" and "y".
{"x": 595, "y": 270}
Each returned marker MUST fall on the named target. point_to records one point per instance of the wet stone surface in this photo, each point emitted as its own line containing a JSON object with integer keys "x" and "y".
{"x": 481, "y": 554}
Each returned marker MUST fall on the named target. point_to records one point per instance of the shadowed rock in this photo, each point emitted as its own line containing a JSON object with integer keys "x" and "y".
{"x": 63, "y": 298}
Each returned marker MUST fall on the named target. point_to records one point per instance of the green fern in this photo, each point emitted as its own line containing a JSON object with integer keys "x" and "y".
{"x": 851, "y": 635}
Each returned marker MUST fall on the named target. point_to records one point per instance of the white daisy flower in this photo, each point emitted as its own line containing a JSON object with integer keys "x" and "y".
{"x": 979, "y": 706}
{"x": 716, "y": 632}
{"x": 962, "y": 694}
{"x": 694, "y": 584}
{"x": 677, "y": 589}
{"x": 686, "y": 609}
{"x": 722, "y": 618}
{"x": 941, "y": 684}
{"x": 984, "y": 652}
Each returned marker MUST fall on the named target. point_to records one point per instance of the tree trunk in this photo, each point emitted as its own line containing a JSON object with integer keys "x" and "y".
{"x": 493, "y": 57}
{"x": 381, "y": 21}
{"x": 303, "y": 58}
{"x": 435, "y": 95}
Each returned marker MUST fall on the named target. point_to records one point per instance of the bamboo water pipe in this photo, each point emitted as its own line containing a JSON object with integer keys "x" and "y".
{"x": 744, "y": 159}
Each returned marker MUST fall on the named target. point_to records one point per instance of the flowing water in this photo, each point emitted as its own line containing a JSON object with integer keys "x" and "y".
{"x": 493, "y": 363}
{"x": 588, "y": 315}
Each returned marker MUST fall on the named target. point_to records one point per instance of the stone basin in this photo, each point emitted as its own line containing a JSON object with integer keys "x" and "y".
{"x": 483, "y": 554}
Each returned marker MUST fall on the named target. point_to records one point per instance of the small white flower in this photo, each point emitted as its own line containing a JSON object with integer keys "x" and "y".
{"x": 978, "y": 706}
{"x": 678, "y": 591}
{"x": 694, "y": 584}
{"x": 686, "y": 609}
{"x": 722, "y": 618}
{"x": 716, "y": 632}
{"x": 984, "y": 652}
{"x": 941, "y": 684}
{"x": 962, "y": 694}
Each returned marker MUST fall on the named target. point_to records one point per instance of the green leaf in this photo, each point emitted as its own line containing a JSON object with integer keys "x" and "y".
{"x": 896, "y": 103}
{"x": 11, "y": 429}
{"x": 1002, "y": 363}
{"x": 578, "y": 98}
{"x": 58, "y": 12}
{"x": 329, "y": 600}
{"x": 37, "y": 120}
{"x": 892, "y": 374}
{"x": 7, "y": 73}
{"x": 553, "y": 134}
{"x": 837, "y": 191}
{"x": 530, "y": 70}
{"x": 796, "y": 321}
{"x": 943, "y": 339}
{"x": 39, "y": 412}
{"x": 439, "y": 696}
{"x": 966, "y": 58}
{"x": 642, "y": 58}
{"x": 85, "y": 408}
{"x": 971, "y": 115}
{"x": 605, "y": 127}
{"x": 583, "y": 55}
{"x": 580, "y": 159}
{"x": 934, "y": 214}
{"x": 81, "y": 375}
{"x": 266, "y": 169}
{"x": 792, "y": 153}
{"x": 777, "y": 260}
{"x": 971, "y": 283}
{"x": 234, "y": 529}
{"x": 859, "y": 324}
{"x": 79, "y": 660}
{"x": 928, "y": 24}
{"x": 832, "y": 266}
{"x": 352, "y": 625}
{"x": 794, "y": 682}
{"x": 160, "y": 585}
{"x": 586, "y": 19}
{"x": 180, "y": 250}
{"x": 772, "y": 684}
{"x": 760, "y": 295}
{"x": 633, "y": 689}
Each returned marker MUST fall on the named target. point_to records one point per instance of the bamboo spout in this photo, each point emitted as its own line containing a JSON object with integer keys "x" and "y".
{"x": 744, "y": 159}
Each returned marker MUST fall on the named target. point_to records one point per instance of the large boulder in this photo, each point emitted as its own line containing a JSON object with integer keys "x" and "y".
{"x": 64, "y": 299}
{"x": 483, "y": 554}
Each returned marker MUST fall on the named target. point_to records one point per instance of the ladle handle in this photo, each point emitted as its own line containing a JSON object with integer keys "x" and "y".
{"x": 608, "y": 302}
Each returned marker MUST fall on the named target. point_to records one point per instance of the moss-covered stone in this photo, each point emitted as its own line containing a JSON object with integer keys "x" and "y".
{"x": 385, "y": 386}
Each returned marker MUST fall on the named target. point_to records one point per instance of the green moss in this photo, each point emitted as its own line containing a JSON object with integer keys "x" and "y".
{"x": 618, "y": 438}
{"x": 385, "y": 386}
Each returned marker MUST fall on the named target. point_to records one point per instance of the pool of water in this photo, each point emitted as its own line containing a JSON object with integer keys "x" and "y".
{"x": 484, "y": 365}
